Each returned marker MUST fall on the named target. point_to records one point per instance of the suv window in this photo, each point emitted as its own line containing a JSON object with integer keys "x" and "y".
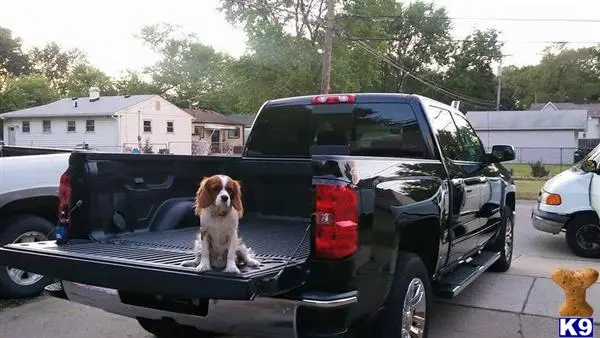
{"x": 473, "y": 149}
{"x": 370, "y": 129}
{"x": 445, "y": 132}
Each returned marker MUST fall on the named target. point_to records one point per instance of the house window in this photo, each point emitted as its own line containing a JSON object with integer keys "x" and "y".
{"x": 25, "y": 126}
{"x": 46, "y": 126}
{"x": 71, "y": 126}
{"x": 234, "y": 133}
{"x": 170, "y": 127}
{"x": 90, "y": 126}
{"x": 199, "y": 130}
{"x": 147, "y": 126}
{"x": 157, "y": 105}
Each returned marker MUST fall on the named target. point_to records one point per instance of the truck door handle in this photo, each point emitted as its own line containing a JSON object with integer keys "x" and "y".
{"x": 457, "y": 181}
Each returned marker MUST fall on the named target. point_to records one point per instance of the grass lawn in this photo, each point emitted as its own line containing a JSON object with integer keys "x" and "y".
{"x": 524, "y": 170}
{"x": 528, "y": 190}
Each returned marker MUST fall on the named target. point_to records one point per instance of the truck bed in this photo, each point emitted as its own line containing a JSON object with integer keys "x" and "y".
{"x": 152, "y": 256}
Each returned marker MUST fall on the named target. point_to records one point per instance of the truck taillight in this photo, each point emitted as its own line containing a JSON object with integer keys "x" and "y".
{"x": 336, "y": 221}
{"x": 64, "y": 197}
{"x": 331, "y": 99}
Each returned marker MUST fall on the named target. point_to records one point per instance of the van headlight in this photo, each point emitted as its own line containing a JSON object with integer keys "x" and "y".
{"x": 550, "y": 198}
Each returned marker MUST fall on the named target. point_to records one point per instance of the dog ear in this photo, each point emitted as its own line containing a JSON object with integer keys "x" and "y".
{"x": 203, "y": 197}
{"x": 237, "y": 199}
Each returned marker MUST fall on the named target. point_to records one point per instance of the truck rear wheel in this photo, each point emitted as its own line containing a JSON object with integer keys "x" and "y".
{"x": 169, "y": 328}
{"x": 15, "y": 283}
{"x": 406, "y": 312}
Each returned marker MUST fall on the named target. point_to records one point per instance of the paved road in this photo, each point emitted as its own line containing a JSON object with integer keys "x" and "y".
{"x": 521, "y": 303}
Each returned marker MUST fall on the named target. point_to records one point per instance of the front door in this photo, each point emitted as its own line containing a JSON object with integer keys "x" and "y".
{"x": 215, "y": 141}
{"x": 466, "y": 182}
{"x": 12, "y": 136}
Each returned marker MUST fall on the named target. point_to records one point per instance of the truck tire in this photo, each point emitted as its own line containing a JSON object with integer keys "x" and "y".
{"x": 504, "y": 243}
{"x": 583, "y": 236}
{"x": 408, "y": 303}
{"x": 15, "y": 283}
{"x": 169, "y": 328}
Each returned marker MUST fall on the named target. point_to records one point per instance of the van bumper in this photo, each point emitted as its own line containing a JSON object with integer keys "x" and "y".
{"x": 548, "y": 221}
{"x": 267, "y": 317}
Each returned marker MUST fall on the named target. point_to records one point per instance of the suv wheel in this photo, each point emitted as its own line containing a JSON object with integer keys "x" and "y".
{"x": 406, "y": 312}
{"x": 583, "y": 236}
{"x": 16, "y": 283}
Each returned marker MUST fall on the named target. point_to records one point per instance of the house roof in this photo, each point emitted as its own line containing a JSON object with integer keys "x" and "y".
{"x": 528, "y": 120}
{"x": 209, "y": 116}
{"x": 106, "y": 105}
{"x": 592, "y": 108}
{"x": 245, "y": 119}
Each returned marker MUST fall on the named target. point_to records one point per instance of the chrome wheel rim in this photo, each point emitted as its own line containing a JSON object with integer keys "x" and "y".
{"x": 414, "y": 310}
{"x": 508, "y": 239}
{"x": 588, "y": 236}
{"x": 20, "y": 277}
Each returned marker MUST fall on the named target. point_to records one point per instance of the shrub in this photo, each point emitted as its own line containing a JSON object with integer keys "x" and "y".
{"x": 538, "y": 169}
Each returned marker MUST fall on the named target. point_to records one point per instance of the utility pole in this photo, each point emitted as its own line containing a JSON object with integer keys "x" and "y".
{"x": 328, "y": 48}
{"x": 499, "y": 85}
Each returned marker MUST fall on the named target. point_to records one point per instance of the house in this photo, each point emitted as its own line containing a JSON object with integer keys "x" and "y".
{"x": 103, "y": 123}
{"x": 246, "y": 120}
{"x": 593, "y": 109}
{"x": 546, "y": 136}
{"x": 215, "y": 133}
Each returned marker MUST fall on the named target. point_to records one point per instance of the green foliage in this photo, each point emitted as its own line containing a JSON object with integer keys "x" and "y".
{"x": 538, "y": 169}
{"x": 13, "y": 61}
{"x": 26, "y": 91}
{"x": 147, "y": 147}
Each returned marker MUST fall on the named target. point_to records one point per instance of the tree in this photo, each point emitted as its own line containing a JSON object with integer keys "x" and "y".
{"x": 55, "y": 63}
{"x": 133, "y": 84}
{"x": 187, "y": 69}
{"x": 147, "y": 148}
{"x": 13, "y": 61}
{"x": 84, "y": 76}
{"x": 471, "y": 73}
{"x": 26, "y": 91}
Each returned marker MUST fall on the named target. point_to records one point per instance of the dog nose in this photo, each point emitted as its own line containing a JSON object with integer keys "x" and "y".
{"x": 224, "y": 198}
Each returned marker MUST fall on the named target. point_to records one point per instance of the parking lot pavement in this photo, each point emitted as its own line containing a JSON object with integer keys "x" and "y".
{"x": 521, "y": 303}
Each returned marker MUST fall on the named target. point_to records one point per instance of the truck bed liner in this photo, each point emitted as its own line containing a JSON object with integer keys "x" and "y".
{"x": 273, "y": 240}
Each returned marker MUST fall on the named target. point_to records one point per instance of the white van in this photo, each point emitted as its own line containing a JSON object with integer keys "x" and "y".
{"x": 570, "y": 202}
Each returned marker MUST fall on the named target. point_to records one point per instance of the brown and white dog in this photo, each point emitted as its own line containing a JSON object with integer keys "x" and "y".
{"x": 219, "y": 205}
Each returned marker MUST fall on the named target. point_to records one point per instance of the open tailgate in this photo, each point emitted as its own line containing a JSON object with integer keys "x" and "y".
{"x": 149, "y": 263}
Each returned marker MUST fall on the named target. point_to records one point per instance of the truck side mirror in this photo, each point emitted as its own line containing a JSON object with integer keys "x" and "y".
{"x": 589, "y": 166}
{"x": 503, "y": 153}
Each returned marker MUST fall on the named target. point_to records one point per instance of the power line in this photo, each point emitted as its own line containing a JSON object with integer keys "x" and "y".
{"x": 392, "y": 17}
{"x": 391, "y": 38}
{"x": 473, "y": 101}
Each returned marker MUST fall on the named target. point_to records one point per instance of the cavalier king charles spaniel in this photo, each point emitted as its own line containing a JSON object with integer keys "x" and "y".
{"x": 219, "y": 205}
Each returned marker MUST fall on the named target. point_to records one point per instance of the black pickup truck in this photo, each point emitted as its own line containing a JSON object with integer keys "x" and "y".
{"x": 361, "y": 207}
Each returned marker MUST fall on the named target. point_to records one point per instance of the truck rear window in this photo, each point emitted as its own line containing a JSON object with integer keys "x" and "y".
{"x": 368, "y": 129}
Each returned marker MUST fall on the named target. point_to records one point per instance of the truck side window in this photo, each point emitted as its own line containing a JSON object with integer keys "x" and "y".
{"x": 445, "y": 132}
{"x": 473, "y": 150}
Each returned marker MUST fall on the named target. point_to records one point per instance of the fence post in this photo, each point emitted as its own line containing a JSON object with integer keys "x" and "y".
{"x": 561, "y": 159}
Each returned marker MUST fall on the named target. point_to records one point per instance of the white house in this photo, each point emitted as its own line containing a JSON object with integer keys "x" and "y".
{"x": 104, "y": 123}
{"x": 546, "y": 136}
{"x": 593, "y": 109}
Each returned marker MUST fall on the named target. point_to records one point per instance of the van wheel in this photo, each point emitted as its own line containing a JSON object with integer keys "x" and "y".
{"x": 504, "y": 243}
{"x": 15, "y": 283}
{"x": 583, "y": 236}
{"x": 406, "y": 311}
{"x": 169, "y": 328}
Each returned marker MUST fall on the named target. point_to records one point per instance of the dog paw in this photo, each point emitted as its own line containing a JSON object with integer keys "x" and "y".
{"x": 189, "y": 263}
{"x": 231, "y": 268}
{"x": 204, "y": 266}
{"x": 252, "y": 262}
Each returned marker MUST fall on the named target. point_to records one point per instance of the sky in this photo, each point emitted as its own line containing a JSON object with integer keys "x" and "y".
{"x": 106, "y": 29}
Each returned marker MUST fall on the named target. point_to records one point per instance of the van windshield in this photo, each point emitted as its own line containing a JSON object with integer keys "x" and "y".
{"x": 368, "y": 129}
